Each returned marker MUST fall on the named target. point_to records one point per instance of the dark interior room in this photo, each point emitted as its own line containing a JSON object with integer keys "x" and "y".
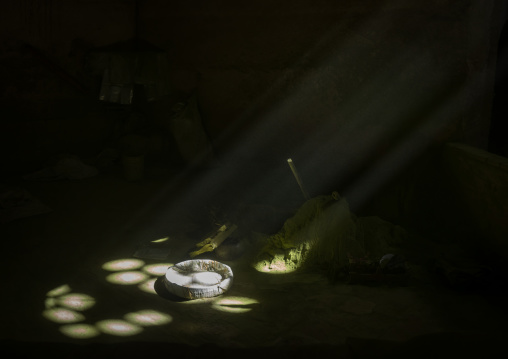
{"x": 263, "y": 179}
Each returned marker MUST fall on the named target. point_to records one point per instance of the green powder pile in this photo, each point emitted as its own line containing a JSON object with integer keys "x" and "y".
{"x": 323, "y": 233}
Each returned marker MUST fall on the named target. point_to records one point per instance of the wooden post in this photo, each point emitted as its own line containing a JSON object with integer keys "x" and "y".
{"x": 293, "y": 169}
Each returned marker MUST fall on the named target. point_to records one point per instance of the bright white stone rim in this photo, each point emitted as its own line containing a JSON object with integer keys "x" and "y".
{"x": 198, "y": 278}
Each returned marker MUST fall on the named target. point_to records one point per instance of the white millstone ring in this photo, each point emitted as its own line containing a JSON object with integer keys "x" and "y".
{"x": 198, "y": 278}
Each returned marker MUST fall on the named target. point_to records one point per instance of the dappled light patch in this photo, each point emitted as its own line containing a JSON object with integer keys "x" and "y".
{"x": 127, "y": 278}
{"x": 148, "y": 286}
{"x": 279, "y": 267}
{"x": 160, "y": 240}
{"x": 148, "y": 317}
{"x": 118, "y": 327}
{"x": 157, "y": 269}
{"x": 198, "y": 301}
{"x": 123, "y": 264}
{"x": 232, "y": 304}
{"x": 79, "y": 331}
{"x": 61, "y": 315}
{"x": 61, "y": 290}
{"x": 50, "y": 303}
{"x": 76, "y": 301}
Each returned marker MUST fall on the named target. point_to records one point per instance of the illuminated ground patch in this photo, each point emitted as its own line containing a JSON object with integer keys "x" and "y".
{"x": 148, "y": 318}
{"x": 157, "y": 269}
{"x": 117, "y": 327}
{"x": 234, "y": 304}
{"x": 127, "y": 278}
{"x": 279, "y": 267}
{"x": 148, "y": 286}
{"x": 198, "y": 301}
{"x": 79, "y": 331}
{"x": 160, "y": 240}
{"x": 76, "y": 301}
{"x": 63, "y": 289}
{"x": 61, "y": 315}
{"x": 123, "y": 264}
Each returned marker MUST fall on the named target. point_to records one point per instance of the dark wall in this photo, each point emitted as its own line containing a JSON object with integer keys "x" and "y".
{"x": 499, "y": 123}
{"x": 358, "y": 93}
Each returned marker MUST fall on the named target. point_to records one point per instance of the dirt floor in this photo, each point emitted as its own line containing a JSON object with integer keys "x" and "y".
{"x": 72, "y": 285}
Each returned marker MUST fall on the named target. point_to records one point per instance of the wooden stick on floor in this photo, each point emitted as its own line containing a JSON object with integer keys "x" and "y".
{"x": 210, "y": 243}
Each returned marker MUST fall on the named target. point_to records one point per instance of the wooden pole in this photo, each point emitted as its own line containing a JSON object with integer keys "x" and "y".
{"x": 295, "y": 173}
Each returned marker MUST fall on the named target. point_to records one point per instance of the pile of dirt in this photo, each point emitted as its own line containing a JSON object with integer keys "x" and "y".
{"x": 325, "y": 233}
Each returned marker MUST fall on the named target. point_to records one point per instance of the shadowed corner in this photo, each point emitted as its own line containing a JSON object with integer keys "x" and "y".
{"x": 139, "y": 349}
{"x": 436, "y": 345}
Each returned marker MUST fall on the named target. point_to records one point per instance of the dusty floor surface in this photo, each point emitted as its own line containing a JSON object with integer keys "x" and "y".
{"x": 99, "y": 221}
